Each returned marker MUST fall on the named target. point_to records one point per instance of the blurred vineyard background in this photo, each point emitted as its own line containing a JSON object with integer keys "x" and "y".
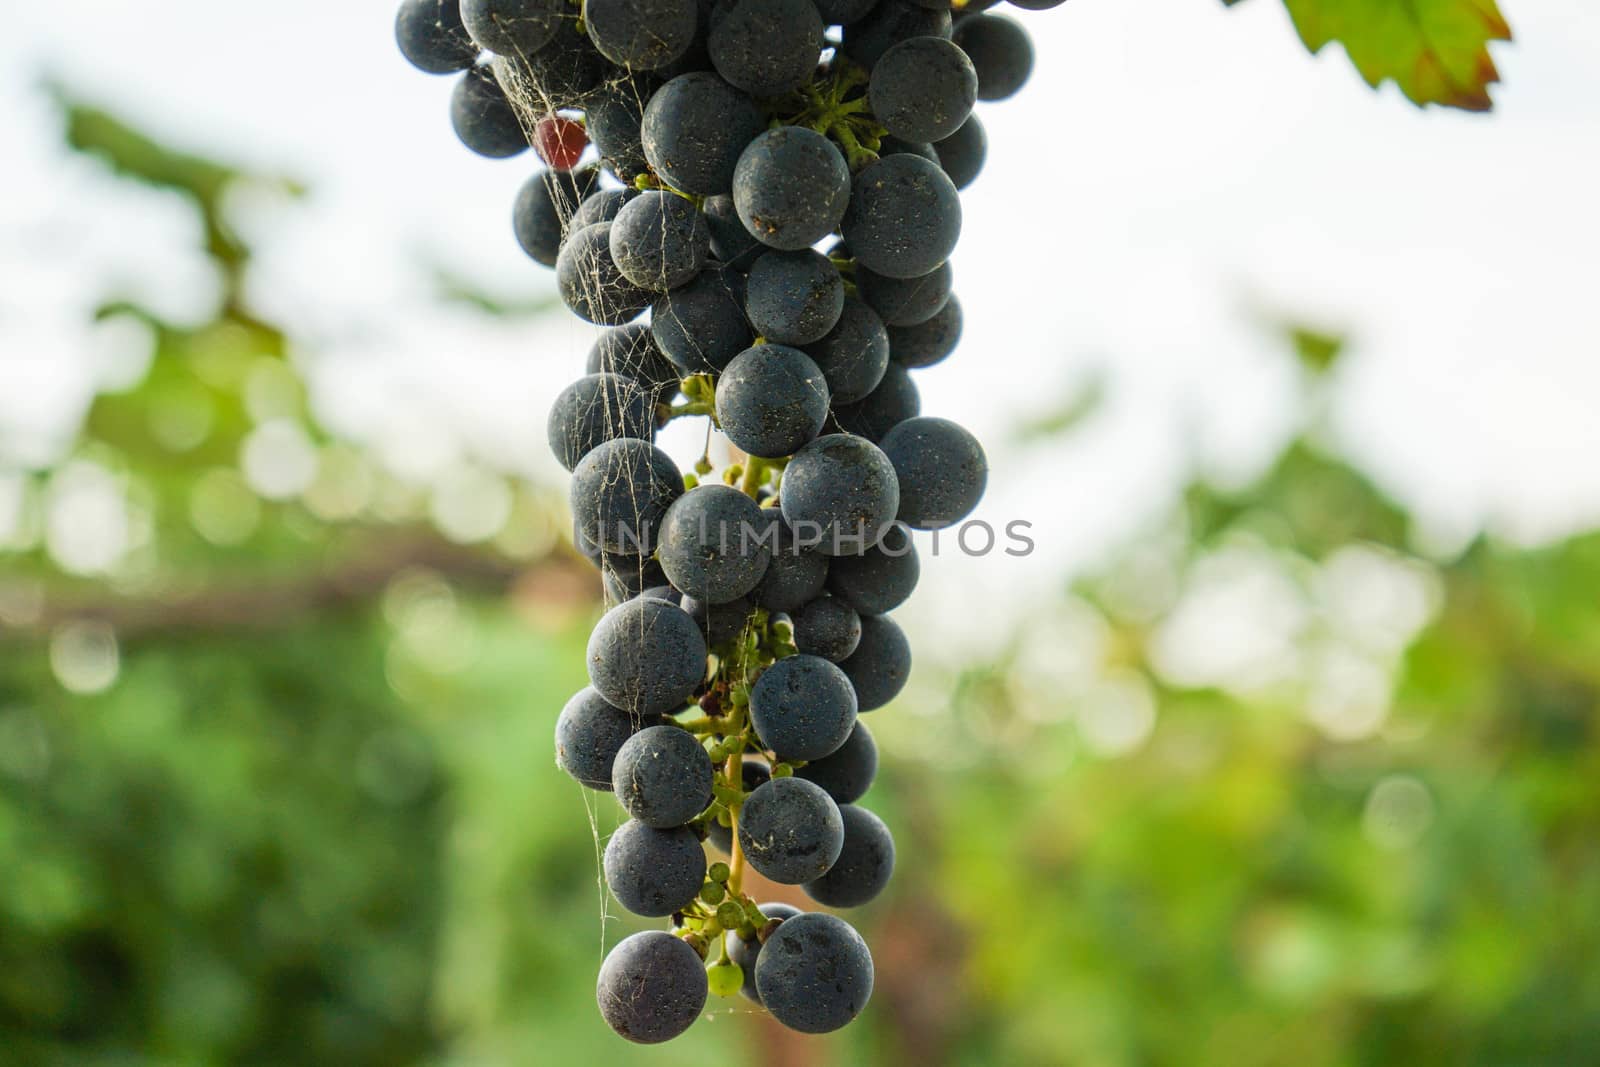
{"x": 276, "y": 784}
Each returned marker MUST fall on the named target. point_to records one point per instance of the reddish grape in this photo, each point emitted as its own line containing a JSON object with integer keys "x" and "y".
{"x": 560, "y": 141}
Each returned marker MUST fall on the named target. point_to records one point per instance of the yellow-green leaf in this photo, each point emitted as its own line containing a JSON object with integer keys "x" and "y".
{"x": 1437, "y": 51}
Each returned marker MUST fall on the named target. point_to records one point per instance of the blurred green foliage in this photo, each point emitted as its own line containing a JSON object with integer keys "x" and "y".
{"x": 281, "y": 791}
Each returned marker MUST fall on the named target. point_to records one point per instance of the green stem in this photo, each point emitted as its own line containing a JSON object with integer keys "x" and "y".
{"x": 755, "y": 473}
{"x": 855, "y": 153}
{"x": 704, "y": 724}
{"x": 735, "y": 772}
{"x": 692, "y": 407}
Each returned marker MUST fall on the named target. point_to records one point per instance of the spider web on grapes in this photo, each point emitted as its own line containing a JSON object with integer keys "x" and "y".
{"x": 536, "y": 99}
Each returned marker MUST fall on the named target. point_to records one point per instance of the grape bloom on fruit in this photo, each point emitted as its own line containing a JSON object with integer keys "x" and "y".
{"x": 696, "y": 158}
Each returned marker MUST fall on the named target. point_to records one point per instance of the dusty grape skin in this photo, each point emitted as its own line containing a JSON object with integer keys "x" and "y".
{"x": 794, "y": 298}
{"x": 796, "y": 575}
{"x": 877, "y": 581}
{"x": 855, "y": 353}
{"x": 827, "y": 627}
{"x": 641, "y": 34}
{"x": 541, "y": 216}
{"x": 653, "y": 872}
{"x": 590, "y": 283}
{"x": 626, "y": 577}
{"x": 848, "y": 773}
{"x": 662, "y": 776}
{"x": 962, "y": 154}
{"x": 844, "y": 487}
{"x": 923, "y": 89}
{"x": 695, "y": 57}
{"x": 731, "y": 244}
{"x": 904, "y": 217}
{"x": 563, "y": 73}
{"x": 771, "y": 400}
{"x": 893, "y": 146}
{"x": 512, "y": 27}
{"x": 905, "y": 301}
{"x": 603, "y": 206}
{"x": 613, "y": 118}
{"x": 659, "y": 241}
{"x": 432, "y": 38}
{"x": 620, "y": 490}
{"x": 695, "y": 128}
{"x": 484, "y": 119}
{"x": 765, "y": 47}
{"x": 702, "y": 326}
{"x": 881, "y": 664}
{"x": 646, "y": 656}
{"x": 941, "y": 468}
{"x": 864, "y": 866}
{"x": 651, "y": 988}
{"x": 1001, "y": 52}
{"x": 894, "y": 400}
{"x": 844, "y": 12}
{"x": 790, "y": 187}
{"x": 814, "y": 973}
{"x": 745, "y": 953}
{"x": 790, "y": 830}
{"x": 709, "y": 544}
{"x": 589, "y": 733}
{"x": 890, "y": 22}
{"x": 595, "y": 409}
{"x": 803, "y": 707}
{"x": 931, "y": 342}
{"x": 631, "y": 351}
{"x": 720, "y": 623}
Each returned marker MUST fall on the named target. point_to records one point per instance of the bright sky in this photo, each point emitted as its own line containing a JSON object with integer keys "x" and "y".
{"x": 1175, "y": 174}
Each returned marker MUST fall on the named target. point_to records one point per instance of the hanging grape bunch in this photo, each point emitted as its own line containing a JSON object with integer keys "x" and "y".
{"x": 776, "y": 183}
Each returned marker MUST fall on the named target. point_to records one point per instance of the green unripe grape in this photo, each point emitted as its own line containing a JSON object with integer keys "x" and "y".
{"x": 730, "y": 914}
{"x": 719, "y": 872}
{"x": 713, "y": 893}
{"x": 782, "y": 770}
{"x": 725, "y": 979}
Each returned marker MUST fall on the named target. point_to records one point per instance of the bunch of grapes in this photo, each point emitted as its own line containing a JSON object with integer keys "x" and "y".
{"x": 776, "y": 183}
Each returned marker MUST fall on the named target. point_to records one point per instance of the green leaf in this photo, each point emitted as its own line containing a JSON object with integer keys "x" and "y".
{"x": 1435, "y": 50}
{"x": 1318, "y": 350}
{"x": 1082, "y": 404}
{"x": 456, "y": 288}
{"x": 129, "y": 152}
